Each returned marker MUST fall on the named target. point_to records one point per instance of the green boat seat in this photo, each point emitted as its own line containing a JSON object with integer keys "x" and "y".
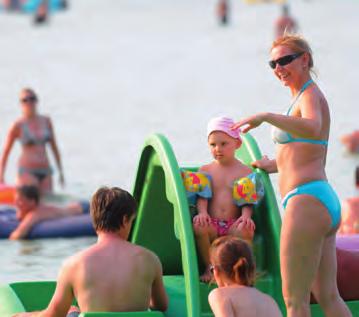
{"x": 125, "y": 314}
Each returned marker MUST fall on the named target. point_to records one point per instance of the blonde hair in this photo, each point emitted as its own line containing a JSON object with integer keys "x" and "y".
{"x": 234, "y": 258}
{"x": 297, "y": 44}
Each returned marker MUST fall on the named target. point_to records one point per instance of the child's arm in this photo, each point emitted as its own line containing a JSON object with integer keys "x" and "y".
{"x": 270, "y": 166}
{"x": 246, "y": 217}
{"x": 202, "y": 218}
{"x": 202, "y": 206}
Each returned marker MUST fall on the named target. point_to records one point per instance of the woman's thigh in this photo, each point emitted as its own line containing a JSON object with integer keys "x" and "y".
{"x": 46, "y": 184}
{"x": 306, "y": 223}
{"x": 325, "y": 283}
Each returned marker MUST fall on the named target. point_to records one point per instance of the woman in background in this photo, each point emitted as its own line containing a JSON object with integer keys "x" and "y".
{"x": 34, "y": 131}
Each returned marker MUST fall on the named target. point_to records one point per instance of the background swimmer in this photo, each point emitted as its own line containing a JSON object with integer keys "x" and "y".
{"x": 34, "y": 131}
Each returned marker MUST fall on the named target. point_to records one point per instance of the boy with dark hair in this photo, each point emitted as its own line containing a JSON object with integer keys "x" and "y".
{"x": 113, "y": 275}
{"x": 109, "y": 207}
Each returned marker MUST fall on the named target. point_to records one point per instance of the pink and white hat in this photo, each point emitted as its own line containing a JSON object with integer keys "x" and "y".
{"x": 223, "y": 124}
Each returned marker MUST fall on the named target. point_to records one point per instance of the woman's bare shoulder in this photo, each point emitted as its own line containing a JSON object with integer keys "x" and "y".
{"x": 17, "y": 124}
{"x": 313, "y": 98}
{"x": 46, "y": 118}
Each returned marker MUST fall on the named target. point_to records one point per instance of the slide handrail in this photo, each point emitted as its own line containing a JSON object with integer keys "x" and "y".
{"x": 248, "y": 153}
{"x": 158, "y": 145}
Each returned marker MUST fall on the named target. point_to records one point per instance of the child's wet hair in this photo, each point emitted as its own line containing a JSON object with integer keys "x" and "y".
{"x": 233, "y": 256}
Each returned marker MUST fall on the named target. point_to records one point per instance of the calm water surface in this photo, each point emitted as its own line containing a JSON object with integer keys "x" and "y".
{"x": 112, "y": 72}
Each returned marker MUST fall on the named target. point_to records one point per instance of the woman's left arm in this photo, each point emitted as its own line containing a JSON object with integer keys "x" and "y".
{"x": 56, "y": 152}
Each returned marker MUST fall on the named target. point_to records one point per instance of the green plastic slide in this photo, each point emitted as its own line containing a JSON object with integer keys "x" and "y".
{"x": 164, "y": 225}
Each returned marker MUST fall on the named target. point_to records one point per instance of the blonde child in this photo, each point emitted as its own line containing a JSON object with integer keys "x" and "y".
{"x": 234, "y": 272}
{"x": 234, "y": 189}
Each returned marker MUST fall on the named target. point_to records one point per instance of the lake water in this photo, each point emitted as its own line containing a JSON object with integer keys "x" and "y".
{"x": 109, "y": 73}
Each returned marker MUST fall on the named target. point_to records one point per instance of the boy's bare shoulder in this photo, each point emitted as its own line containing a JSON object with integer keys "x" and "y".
{"x": 207, "y": 167}
{"x": 71, "y": 264}
{"x": 147, "y": 255}
{"x": 80, "y": 257}
{"x": 243, "y": 170}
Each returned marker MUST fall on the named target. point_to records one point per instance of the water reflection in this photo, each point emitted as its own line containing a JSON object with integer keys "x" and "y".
{"x": 37, "y": 259}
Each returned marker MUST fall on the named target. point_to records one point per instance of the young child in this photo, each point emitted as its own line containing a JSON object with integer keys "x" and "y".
{"x": 234, "y": 191}
{"x": 234, "y": 272}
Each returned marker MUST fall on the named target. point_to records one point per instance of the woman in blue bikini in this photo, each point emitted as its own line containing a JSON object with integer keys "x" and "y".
{"x": 34, "y": 132}
{"x": 312, "y": 209}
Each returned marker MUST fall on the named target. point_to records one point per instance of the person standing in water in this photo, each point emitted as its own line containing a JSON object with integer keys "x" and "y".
{"x": 42, "y": 12}
{"x": 285, "y": 23}
{"x": 312, "y": 209}
{"x": 223, "y": 12}
{"x": 34, "y": 131}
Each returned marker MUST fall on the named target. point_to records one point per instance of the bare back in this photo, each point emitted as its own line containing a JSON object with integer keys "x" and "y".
{"x": 242, "y": 301}
{"x": 115, "y": 276}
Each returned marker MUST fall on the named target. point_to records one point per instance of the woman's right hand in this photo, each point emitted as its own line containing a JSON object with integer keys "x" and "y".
{"x": 265, "y": 164}
{"x": 249, "y": 123}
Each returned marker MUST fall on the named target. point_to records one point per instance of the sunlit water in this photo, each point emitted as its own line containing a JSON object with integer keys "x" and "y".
{"x": 112, "y": 72}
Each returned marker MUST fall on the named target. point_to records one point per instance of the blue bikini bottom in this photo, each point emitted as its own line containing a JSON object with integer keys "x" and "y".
{"x": 39, "y": 173}
{"x": 322, "y": 191}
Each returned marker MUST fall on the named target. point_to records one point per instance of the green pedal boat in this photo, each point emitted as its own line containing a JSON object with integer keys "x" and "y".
{"x": 164, "y": 225}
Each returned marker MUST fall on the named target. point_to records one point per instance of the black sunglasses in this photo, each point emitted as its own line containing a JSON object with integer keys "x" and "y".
{"x": 29, "y": 99}
{"x": 285, "y": 60}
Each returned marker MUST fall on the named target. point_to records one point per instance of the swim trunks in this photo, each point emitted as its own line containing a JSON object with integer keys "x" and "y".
{"x": 222, "y": 226}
